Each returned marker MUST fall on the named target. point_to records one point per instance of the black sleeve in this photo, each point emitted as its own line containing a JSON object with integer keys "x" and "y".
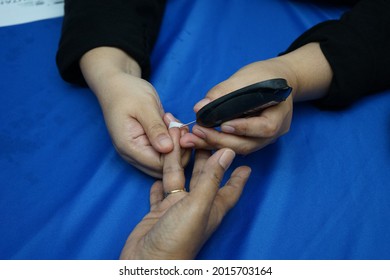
{"x": 358, "y": 49}
{"x": 131, "y": 25}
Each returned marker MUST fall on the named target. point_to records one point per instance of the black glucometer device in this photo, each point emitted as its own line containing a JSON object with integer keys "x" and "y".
{"x": 244, "y": 102}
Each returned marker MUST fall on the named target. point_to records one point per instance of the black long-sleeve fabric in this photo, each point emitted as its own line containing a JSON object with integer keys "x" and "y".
{"x": 130, "y": 25}
{"x": 357, "y": 48}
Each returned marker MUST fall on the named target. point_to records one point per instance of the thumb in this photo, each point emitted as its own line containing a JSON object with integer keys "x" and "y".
{"x": 156, "y": 131}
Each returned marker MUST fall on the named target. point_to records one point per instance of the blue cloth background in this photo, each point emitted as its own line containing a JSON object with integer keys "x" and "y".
{"x": 320, "y": 192}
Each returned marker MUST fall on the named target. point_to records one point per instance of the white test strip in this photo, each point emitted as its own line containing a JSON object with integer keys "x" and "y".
{"x": 175, "y": 124}
{"x": 179, "y": 124}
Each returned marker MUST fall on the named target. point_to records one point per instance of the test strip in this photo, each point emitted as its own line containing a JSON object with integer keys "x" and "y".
{"x": 175, "y": 124}
{"x": 179, "y": 124}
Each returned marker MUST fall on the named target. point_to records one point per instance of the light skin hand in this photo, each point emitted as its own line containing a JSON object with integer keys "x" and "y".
{"x": 131, "y": 107}
{"x": 177, "y": 226}
{"x": 306, "y": 71}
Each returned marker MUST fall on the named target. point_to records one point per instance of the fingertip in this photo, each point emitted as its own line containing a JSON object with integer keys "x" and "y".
{"x": 157, "y": 133}
{"x": 168, "y": 118}
{"x": 190, "y": 140}
{"x": 243, "y": 171}
{"x": 228, "y": 129}
{"x": 237, "y": 126}
{"x": 226, "y": 158}
{"x": 199, "y": 132}
{"x": 156, "y": 186}
{"x": 186, "y": 145}
{"x": 164, "y": 143}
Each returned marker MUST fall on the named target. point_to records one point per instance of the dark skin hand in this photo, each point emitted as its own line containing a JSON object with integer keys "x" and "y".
{"x": 177, "y": 226}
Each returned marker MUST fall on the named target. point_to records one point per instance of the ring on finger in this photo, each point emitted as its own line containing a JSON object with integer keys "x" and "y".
{"x": 173, "y": 191}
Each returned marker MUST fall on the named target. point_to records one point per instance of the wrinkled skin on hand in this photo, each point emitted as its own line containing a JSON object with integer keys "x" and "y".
{"x": 134, "y": 118}
{"x": 177, "y": 226}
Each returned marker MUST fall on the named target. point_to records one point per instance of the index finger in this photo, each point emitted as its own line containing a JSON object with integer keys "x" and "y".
{"x": 240, "y": 144}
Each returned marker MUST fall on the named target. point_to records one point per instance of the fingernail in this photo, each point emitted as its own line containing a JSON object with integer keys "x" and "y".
{"x": 245, "y": 172}
{"x": 188, "y": 145}
{"x": 199, "y": 133}
{"x": 228, "y": 129}
{"x": 202, "y": 103}
{"x": 170, "y": 117}
{"x": 226, "y": 159}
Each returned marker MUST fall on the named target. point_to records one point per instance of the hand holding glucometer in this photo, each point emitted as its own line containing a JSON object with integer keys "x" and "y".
{"x": 244, "y": 102}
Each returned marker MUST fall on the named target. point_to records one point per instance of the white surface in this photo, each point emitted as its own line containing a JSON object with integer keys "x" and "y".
{"x": 22, "y": 11}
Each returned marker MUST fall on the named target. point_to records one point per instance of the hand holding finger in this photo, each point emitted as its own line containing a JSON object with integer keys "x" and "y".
{"x": 155, "y": 128}
{"x": 185, "y": 151}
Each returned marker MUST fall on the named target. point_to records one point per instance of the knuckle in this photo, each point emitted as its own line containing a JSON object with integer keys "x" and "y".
{"x": 270, "y": 130}
{"x": 213, "y": 176}
{"x": 173, "y": 169}
{"x": 173, "y": 176}
{"x": 149, "y": 94}
{"x": 245, "y": 149}
{"x": 213, "y": 141}
{"x": 156, "y": 127}
{"x": 243, "y": 129}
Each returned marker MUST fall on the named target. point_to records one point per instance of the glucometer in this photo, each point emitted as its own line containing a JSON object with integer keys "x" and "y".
{"x": 244, "y": 102}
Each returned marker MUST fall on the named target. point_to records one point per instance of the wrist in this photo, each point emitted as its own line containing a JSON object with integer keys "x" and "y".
{"x": 284, "y": 69}
{"x": 309, "y": 70}
{"x": 99, "y": 64}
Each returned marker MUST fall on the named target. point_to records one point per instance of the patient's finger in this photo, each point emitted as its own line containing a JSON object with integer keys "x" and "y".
{"x": 240, "y": 144}
{"x": 201, "y": 157}
{"x": 211, "y": 176}
{"x": 229, "y": 194}
{"x": 173, "y": 174}
{"x": 156, "y": 195}
{"x": 190, "y": 140}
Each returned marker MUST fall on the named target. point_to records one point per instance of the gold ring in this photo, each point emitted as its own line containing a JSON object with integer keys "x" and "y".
{"x": 173, "y": 191}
